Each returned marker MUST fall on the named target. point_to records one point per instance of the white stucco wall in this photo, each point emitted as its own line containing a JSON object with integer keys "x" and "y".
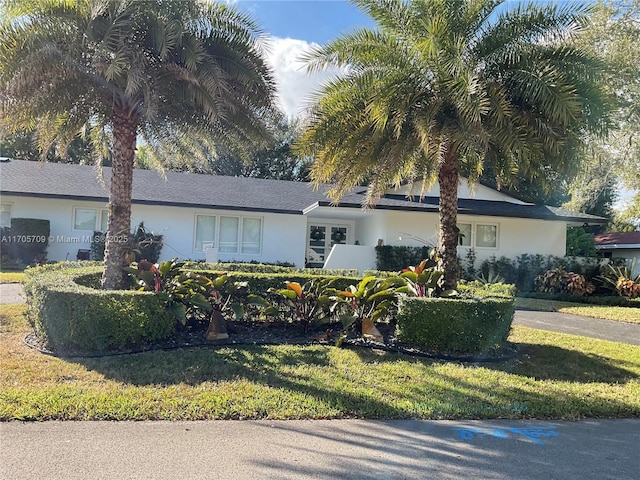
{"x": 371, "y": 227}
{"x": 357, "y": 257}
{"x": 515, "y": 235}
{"x": 283, "y": 236}
{"x": 629, "y": 254}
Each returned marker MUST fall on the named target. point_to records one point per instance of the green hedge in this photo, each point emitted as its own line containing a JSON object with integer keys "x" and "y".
{"x": 454, "y": 325}
{"x": 75, "y": 319}
{"x": 234, "y": 267}
{"x": 395, "y": 258}
{"x": 260, "y": 283}
{"x": 483, "y": 290}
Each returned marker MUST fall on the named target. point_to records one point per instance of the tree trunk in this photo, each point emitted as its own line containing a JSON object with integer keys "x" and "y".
{"x": 448, "y": 178}
{"x": 117, "y": 247}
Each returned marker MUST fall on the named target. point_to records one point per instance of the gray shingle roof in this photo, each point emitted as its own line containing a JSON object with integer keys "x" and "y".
{"x": 79, "y": 182}
{"x": 149, "y": 187}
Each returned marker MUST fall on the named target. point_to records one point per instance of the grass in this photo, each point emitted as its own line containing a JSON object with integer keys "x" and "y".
{"x": 557, "y": 376}
{"x": 619, "y": 314}
{"x": 11, "y": 277}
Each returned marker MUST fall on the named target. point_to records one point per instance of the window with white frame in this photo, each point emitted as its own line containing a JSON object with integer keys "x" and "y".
{"x": 228, "y": 234}
{"x": 464, "y": 234}
{"x": 205, "y": 232}
{"x": 228, "y": 240}
{"x": 251, "y": 235}
{"x": 5, "y": 215}
{"x": 90, "y": 219}
{"x": 479, "y": 235}
{"x": 486, "y": 236}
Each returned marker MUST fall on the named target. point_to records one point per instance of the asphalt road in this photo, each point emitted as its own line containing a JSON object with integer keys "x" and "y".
{"x": 579, "y": 325}
{"x": 331, "y": 449}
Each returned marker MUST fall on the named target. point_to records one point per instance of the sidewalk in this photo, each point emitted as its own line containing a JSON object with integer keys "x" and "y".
{"x": 322, "y": 449}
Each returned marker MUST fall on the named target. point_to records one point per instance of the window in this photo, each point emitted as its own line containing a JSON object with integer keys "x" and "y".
{"x": 478, "y": 235}
{"x": 228, "y": 235}
{"x": 84, "y": 219}
{"x": 87, "y": 219}
{"x": 104, "y": 218}
{"x": 5, "y": 215}
{"x": 234, "y": 234}
{"x": 205, "y": 231}
{"x": 487, "y": 236}
{"x": 251, "y": 235}
{"x": 464, "y": 236}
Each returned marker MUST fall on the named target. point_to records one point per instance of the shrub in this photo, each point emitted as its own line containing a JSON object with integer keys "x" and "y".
{"x": 29, "y": 238}
{"x": 620, "y": 279}
{"x": 503, "y": 268}
{"x": 479, "y": 289}
{"x": 71, "y": 318}
{"x": 454, "y": 325}
{"x": 395, "y": 258}
{"x": 262, "y": 282}
{"x": 146, "y": 245}
{"x": 96, "y": 250}
{"x": 307, "y": 304}
{"x": 580, "y": 242}
{"x": 557, "y": 280}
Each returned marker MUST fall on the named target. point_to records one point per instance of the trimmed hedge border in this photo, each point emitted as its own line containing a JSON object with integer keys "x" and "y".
{"x": 71, "y": 318}
{"x": 455, "y": 325}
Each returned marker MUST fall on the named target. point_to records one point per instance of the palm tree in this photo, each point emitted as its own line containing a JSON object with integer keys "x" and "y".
{"x": 170, "y": 73}
{"x": 444, "y": 87}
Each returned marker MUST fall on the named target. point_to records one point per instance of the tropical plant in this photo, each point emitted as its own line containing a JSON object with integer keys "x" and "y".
{"x": 620, "y": 279}
{"x": 183, "y": 292}
{"x": 422, "y": 281}
{"x": 363, "y": 304}
{"x": 181, "y": 75}
{"x": 443, "y": 87}
{"x": 308, "y": 304}
{"x": 558, "y": 280}
{"x": 228, "y": 295}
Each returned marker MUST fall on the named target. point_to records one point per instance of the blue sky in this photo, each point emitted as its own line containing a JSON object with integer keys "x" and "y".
{"x": 316, "y": 21}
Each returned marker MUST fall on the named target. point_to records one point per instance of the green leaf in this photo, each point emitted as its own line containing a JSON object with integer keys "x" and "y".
{"x": 179, "y": 311}
{"x": 271, "y": 311}
{"x": 347, "y": 320}
{"x": 198, "y": 300}
{"x": 238, "y": 311}
{"x": 257, "y": 300}
{"x": 219, "y": 282}
{"x": 290, "y": 294}
{"x": 164, "y": 268}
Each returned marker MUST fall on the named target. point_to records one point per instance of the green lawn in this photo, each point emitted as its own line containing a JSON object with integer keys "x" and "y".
{"x": 619, "y": 314}
{"x": 557, "y": 376}
{"x": 11, "y": 277}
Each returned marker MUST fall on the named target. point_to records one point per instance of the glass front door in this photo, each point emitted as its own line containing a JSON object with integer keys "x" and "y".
{"x": 321, "y": 238}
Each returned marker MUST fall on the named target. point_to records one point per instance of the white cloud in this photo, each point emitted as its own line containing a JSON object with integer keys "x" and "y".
{"x": 295, "y": 85}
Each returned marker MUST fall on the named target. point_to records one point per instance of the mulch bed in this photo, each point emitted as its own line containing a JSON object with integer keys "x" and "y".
{"x": 283, "y": 333}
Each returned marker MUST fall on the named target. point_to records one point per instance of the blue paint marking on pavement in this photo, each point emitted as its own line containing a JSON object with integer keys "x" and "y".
{"x": 532, "y": 433}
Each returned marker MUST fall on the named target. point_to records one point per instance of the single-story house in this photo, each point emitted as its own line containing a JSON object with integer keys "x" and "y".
{"x": 620, "y": 245}
{"x": 246, "y": 219}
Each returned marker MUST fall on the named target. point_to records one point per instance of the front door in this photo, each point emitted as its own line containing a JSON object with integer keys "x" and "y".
{"x": 321, "y": 238}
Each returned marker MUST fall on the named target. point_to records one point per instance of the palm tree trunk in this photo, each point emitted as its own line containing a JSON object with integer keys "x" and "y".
{"x": 448, "y": 178}
{"x": 117, "y": 247}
